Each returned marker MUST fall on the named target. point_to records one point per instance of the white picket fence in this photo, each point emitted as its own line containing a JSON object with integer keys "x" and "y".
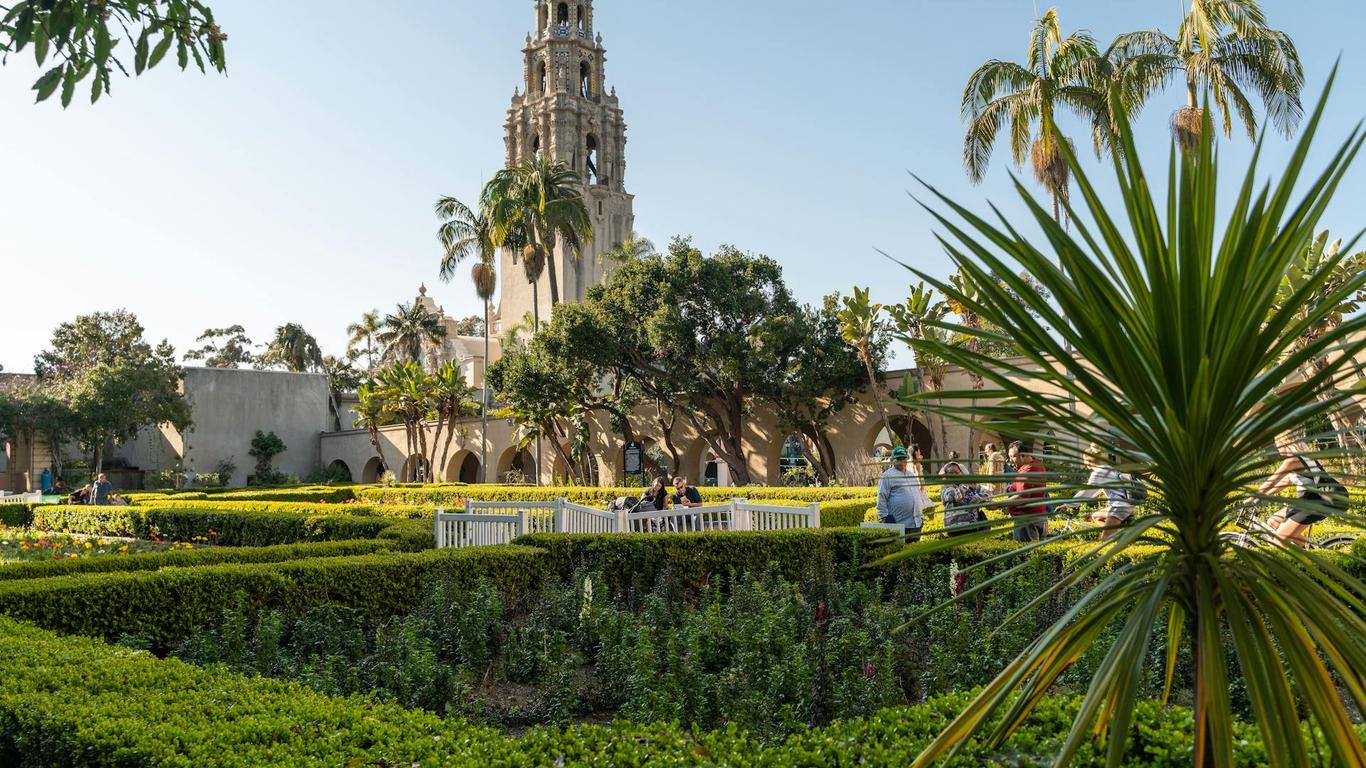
{"x": 21, "y": 498}
{"x": 485, "y": 523}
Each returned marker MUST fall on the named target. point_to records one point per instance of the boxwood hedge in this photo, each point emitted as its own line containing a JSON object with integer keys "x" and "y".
{"x": 454, "y": 496}
{"x": 41, "y": 569}
{"x": 78, "y": 703}
{"x": 233, "y": 529}
{"x": 166, "y": 605}
{"x": 407, "y": 512}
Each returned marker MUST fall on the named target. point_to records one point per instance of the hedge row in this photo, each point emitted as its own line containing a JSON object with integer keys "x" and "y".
{"x": 78, "y": 703}
{"x": 166, "y": 605}
{"x": 18, "y": 515}
{"x": 232, "y": 529}
{"x": 152, "y": 561}
{"x": 455, "y": 495}
{"x": 407, "y": 512}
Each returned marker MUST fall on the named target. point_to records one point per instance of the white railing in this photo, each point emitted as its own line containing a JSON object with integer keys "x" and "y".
{"x": 486, "y": 523}
{"x": 21, "y": 498}
{"x": 717, "y": 517}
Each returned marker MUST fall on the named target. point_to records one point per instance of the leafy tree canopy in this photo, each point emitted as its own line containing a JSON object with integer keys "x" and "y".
{"x": 223, "y": 348}
{"x": 101, "y": 338}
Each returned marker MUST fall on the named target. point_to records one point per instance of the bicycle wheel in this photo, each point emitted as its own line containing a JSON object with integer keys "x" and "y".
{"x": 1338, "y": 543}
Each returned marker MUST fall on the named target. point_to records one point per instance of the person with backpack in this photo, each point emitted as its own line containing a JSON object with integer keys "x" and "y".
{"x": 1319, "y": 493}
{"x": 1122, "y": 492}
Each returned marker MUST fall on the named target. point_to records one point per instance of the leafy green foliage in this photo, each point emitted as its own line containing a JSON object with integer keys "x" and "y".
{"x": 293, "y": 349}
{"x": 188, "y": 559}
{"x": 86, "y": 37}
{"x": 232, "y": 529}
{"x": 223, "y": 348}
{"x": 1172, "y": 311}
{"x": 264, "y": 448}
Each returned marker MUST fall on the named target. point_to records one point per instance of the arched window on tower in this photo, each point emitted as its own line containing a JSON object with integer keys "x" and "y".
{"x": 562, "y": 14}
{"x": 542, "y": 19}
{"x": 592, "y": 176}
{"x": 536, "y": 145}
{"x": 581, "y": 17}
{"x": 544, "y": 76}
{"x": 585, "y": 80}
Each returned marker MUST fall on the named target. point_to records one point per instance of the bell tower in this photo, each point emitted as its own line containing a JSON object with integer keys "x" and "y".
{"x": 563, "y": 107}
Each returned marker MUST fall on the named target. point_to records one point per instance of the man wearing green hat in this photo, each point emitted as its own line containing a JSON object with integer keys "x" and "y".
{"x": 898, "y": 494}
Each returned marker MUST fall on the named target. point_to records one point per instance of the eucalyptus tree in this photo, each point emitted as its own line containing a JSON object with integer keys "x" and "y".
{"x": 1023, "y": 101}
{"x": 1182, "y": 366}
{"x": 535, "y": 205}
{"x": 1226, "y": 48}
{"x": 407, "y": 330}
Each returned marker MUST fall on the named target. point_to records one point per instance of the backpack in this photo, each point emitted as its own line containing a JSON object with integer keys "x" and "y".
{"x": 1328, "y": 490}
{"x": 1132, "y": 492}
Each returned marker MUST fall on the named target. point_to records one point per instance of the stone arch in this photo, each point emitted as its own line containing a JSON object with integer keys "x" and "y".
{"x": 594, "y": 160}
{"x": 585, "y": 80}
{"x": 581, "y": 17}
{"x": 411, "y": 468}
{"x": 463, "y": 468}
{"x": 543, "y": 77}
{"x": 909, "y": 431}
{"x": 514, "y": 460}
{"x": 785, "y": 454}
{"x": 372, "y": 472}
{"x": 342, "y": 470}
{"x": 562, "y": 13}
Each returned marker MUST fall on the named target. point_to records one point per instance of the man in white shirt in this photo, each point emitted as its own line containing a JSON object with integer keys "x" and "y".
{"x": 898, "y": 494}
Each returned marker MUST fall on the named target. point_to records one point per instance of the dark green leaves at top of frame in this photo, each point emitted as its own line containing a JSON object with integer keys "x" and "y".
{"x": 85, "y": 38}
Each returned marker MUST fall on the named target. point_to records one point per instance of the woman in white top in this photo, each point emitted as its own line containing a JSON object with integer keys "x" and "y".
{"x": 1108, "y": 482}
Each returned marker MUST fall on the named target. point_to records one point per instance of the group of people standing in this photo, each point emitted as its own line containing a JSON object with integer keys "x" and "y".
{"x": 1022, "y": 491}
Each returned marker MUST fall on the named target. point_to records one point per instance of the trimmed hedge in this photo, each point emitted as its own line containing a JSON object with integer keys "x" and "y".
{"x": 635, "y": 562}
{"x": 232, "y": 529}
{"x": 453, "y": 496}
{"x": 42, "y": 569}
{"x": 78, "y": 703}
{"x": 167, "y": 605}
{"x": 292, "y": 507}
{"x": 17, "y": 515}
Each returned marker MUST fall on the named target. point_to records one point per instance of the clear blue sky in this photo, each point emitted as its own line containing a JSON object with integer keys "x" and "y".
{"x": 299, "y": 187}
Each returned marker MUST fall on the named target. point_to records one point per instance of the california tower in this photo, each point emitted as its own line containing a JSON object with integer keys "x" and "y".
{"x": 564, "y": 108}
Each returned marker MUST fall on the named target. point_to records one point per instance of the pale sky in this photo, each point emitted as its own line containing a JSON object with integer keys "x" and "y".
{"x": 299, "y": 187}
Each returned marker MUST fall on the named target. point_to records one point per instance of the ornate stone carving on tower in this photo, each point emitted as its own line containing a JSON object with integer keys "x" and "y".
{"x": 563, "y": 107}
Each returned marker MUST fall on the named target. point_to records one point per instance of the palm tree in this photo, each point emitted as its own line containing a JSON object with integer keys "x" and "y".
{"x": 371, "y": 414}
{"x": 463, "y": 233}
{"x": 485, "y": 277}
{"x": 1185, "y": 365}
{"x": 450, "y": 399}
{"x": 918, "y": 319}
{"x": 1225, "y": 47}
{"x": 633, "y": 248}
{"x": 860, "y": 323}
{"x": 1066, "y": 72}
{"x": 294, "y": 349}
{"x": 407, "y": 330}
{"x": 535, "y": 205}
{"x": 364, "y": 331}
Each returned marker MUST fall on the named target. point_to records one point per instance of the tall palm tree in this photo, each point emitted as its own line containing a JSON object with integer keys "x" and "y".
{"x": 485, "y": 277}
{"x": 365, "y": 331}
{"x": 536, "y": 205}
{"x": 294, "y": 349}
{"x": 371, "y": 414}
{"x": 1059, "y": 72}
{"x": 405, "y": 331}
{"x": 1182, "y": 366}
{"x": 463, "y": 234}
{"x": 860, "y": 323}
{"x": 1224, "y": 46}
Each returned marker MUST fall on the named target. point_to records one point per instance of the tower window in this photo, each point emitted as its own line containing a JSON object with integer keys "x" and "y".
{"x": 585, "y": 80}
{"x": 592, "y": 176}
{"x": 536, "y": 145}
{"x": 545, "y": 79}
{"x": 562, "y": 14}
{"x": 579, "y": 14}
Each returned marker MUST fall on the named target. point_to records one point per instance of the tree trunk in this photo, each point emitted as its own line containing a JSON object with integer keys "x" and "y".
{"x": 441, "y": 425}
{"x": 453, "y": 410}
{"x": 872, "y": 389}
{"x": 379, "y": 450}
{"x": 484, "y": 411}
{"x": 817, "y": 463}
{"x": 666, "y": 427}
{"x": 554, "y": 280}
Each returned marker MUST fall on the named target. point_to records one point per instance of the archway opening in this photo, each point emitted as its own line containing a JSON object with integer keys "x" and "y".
{"x": 585, "y": 80}
{"x": 562, "y": 14}
{"x": 517, "y": 467}
{"x": 581, "y": 16}
{"x": 591, "y": 148}
{"x": 543, "y": 77}
{"x": 338, "y": 472}
{"x": 794, "y": 468}
{"x": 372, "y": 472}
{"x": 416, "y": 470}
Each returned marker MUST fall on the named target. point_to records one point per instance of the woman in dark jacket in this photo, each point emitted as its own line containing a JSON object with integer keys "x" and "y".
{"x": 657, "y": 496}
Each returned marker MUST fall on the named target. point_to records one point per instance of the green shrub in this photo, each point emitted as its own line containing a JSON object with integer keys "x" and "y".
{"x": 454, "y": 496}
{"x": 635, "y": 562}
{"x": 411, "y": 535}
{"x": 39, "y": 569}
{"x": 232, "y": 529}
{"x": 325, "y": 494}
{"x": 222, "y": 504}
{"x": 845, "y": 513}
{"x": 17, "y": 515}
{"x": 82, "y": 704}
{"x": 167, "y": 605}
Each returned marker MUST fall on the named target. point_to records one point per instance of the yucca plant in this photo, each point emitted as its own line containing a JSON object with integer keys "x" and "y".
{"x": 1183, "y": 367}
